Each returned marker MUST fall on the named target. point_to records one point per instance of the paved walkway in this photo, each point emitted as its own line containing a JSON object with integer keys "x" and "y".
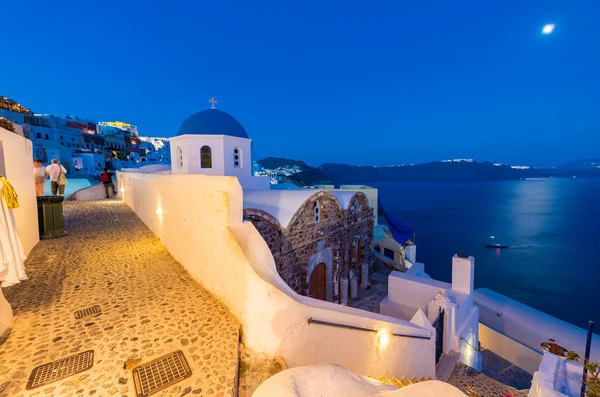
{"x": 150, "y": 307}
{"x": 465, "y": 378}
{"x": 369, "y": 299}
{"x": 504, "y": 371}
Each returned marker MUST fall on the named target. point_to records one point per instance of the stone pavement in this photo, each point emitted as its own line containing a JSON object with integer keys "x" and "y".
{"x": 369, "y": 299}
{"x": 504, "y": 371}
{"x": 465, "y": 377}
{"x": 150, "y": 307}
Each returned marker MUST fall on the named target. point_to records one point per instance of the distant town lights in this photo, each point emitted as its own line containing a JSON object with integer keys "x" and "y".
{"x": 548, "y": 28}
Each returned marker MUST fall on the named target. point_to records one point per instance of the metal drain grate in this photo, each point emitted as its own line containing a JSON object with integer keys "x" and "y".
{"x": 160, "y": 373}
{"x": 60, "y": 369}
{"x": 87, "y": 312}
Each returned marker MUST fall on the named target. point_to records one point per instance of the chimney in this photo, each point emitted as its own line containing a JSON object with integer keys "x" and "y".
{"x": 463, "y": 273}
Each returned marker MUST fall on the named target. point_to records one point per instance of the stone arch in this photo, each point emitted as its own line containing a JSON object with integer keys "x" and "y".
{"x": 268, "y": 227}
{"x": 323, "y": 256}
{"x": 363, "y": 202}
{"x": 323, "y": 197}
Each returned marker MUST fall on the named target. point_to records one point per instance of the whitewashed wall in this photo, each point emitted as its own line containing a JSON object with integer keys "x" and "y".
{"x": 529, "y": 326}
{"x": 509, "y": 349}
{"x": 16, "y": 163}
{"x": 222, "y": 147}
{"x": 199, "y": 220}
{"x": 556, "y": 377}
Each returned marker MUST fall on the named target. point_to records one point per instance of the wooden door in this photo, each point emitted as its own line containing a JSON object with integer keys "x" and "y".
{"x": 318, "y": 282}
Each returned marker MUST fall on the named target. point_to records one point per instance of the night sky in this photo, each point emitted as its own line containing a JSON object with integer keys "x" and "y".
{"x": 364, "y": 82}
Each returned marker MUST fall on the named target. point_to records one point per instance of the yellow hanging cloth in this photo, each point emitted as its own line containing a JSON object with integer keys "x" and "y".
{"x": 11, "y": 197}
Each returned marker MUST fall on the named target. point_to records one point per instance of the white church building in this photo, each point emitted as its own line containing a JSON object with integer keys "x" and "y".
{"x": 212, "y": 142}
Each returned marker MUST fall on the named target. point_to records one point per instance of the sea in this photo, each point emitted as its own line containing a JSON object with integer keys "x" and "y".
{"x": 552, "y": 228}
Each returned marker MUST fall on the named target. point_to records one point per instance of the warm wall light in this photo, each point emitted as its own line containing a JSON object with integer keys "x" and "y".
{"x": 383, "y": 339}
{"x": 159, "y": 211}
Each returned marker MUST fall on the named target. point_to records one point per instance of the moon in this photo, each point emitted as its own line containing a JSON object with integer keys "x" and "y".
{"x": 548, "y": 28}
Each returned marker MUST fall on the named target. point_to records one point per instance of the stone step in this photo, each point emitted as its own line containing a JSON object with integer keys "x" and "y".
{"x": 378, "y": 278}
{"x": 405, "y": 382}
{"x": 445, "y": 367}
{"x": 255, "y": 368}
{"x": 400, "y": 383}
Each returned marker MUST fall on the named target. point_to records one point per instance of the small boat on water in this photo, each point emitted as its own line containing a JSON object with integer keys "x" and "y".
{"x": 491, "y": 244}
{"x": 496, "y": 246}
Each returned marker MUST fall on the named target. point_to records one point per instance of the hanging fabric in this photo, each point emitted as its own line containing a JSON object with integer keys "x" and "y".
{"x": 11, "y": 197}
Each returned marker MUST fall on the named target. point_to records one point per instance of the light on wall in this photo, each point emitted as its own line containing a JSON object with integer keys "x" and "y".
{"x": 383, "y": 339}
{"x": 159, "y": 211}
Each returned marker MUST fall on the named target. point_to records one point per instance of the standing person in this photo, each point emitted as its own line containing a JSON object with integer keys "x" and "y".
{"x": 58, "y": 181}
{"x": 39, "y": 176}
{"x": 106, "y": 178}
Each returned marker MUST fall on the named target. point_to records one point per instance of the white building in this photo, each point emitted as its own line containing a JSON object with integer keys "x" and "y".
{"x": 212, "y": 142}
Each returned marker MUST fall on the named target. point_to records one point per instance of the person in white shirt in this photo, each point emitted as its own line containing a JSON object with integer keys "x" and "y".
{"x": 54, "y": 171}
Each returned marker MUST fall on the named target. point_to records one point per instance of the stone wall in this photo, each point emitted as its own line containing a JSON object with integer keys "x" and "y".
{"x": 341, "y": 239}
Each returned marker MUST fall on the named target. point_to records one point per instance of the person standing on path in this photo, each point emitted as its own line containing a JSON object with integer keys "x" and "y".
{"x": 56, "y": 173}
{"x": 39, "y": 176}
{"x": 106, "y": 178}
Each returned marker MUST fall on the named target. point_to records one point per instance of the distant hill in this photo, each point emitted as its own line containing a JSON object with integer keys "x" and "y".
{"x": 278, "y": 162}
{"x": 588, "y": 165}
{"x": 308, "y": 176}
{"x": 435, "y": 171}
{"x": 438, "y": 171}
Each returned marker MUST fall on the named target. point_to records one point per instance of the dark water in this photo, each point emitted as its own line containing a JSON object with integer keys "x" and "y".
{"x": 552, "y": 227}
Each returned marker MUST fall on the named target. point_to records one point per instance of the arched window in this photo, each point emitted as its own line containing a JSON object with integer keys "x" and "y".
{"x": 205, "y": 157}
{"x": 179, "y": 157}
{"x": 237, "y": 158}
{"x": 316, "y": 211}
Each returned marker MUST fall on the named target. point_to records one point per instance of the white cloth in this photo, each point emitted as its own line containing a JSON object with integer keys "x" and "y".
{"x": 12, "y": 255}
{"x": 54, "y": 170}
{"x": 39, "y": 171}
{"x": 39, "y": 174}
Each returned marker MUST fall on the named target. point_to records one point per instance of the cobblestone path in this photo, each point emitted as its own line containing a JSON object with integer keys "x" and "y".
{"x": 150, "y": 307}
{"x": 465, "y": 377}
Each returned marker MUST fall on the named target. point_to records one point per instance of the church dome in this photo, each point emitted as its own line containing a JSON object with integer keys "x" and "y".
{"x": 212, "y": 122}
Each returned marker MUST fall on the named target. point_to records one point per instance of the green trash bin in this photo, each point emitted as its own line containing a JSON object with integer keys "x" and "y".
{"x": 50, "y": 216}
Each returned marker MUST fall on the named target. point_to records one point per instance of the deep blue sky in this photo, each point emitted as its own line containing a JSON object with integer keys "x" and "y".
{"x": 363, "y": 82}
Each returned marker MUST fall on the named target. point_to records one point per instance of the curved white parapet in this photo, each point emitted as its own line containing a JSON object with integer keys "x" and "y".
{"x": 150, "y": 169}
{"x": 199, "y": 219}
{"x": 529, "y": 326}
{"x": 94, "y": 192}
{"x": 333, "y": 380}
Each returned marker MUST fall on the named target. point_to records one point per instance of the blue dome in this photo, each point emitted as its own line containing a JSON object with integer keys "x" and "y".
{"x": 212, "y": 122}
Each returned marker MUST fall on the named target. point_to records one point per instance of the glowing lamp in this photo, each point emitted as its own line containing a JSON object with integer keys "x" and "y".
{"x": 383, "y": 339}
{"x": 159, "y": 211}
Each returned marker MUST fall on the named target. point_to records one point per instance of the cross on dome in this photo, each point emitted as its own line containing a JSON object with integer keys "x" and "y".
{"x": 213, "y": 102}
